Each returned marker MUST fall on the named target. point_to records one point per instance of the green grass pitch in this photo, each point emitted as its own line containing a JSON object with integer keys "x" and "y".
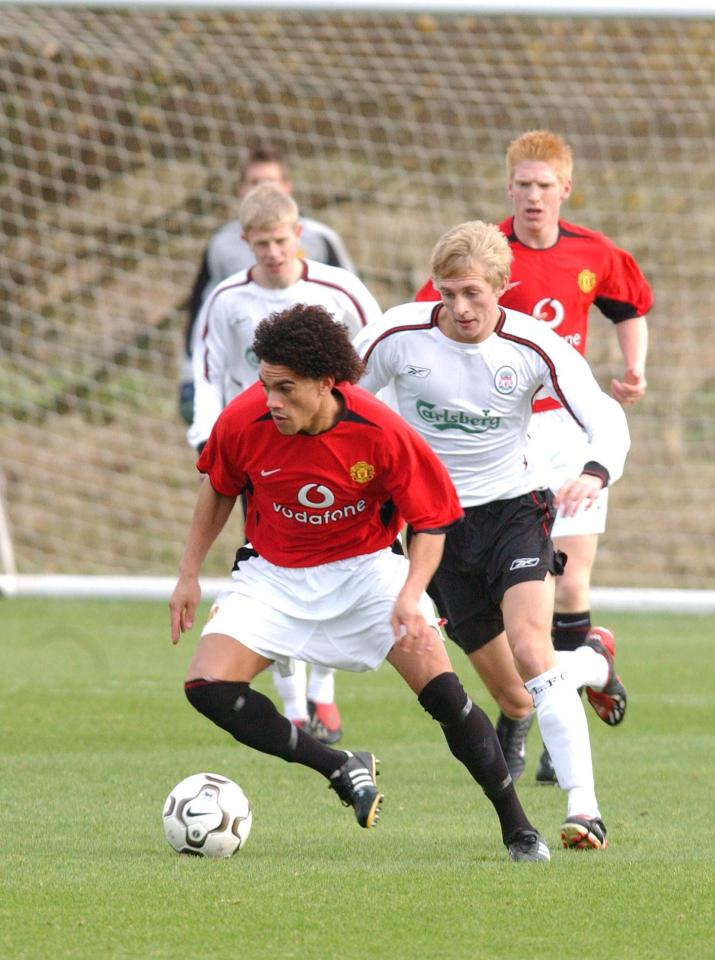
{"x": 95, "y": 731}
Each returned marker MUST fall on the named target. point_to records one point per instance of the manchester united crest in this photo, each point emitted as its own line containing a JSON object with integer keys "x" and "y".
{"x": 362, "y": 472}
{"x": 586, "y": 281}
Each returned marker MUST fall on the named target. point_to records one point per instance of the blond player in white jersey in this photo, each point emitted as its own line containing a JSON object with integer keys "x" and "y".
{"x": 225, "y": 365}
{"x": 464, "y": 372}
{"x": 227, "y": 253}
{"x": 559, "y": 271}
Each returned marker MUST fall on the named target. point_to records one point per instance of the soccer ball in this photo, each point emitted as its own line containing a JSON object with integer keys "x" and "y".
{"x": 207, "y": 815}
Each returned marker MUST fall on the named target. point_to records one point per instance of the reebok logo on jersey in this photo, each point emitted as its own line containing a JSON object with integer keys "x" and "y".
{"x": 523, "y": 562}
{"x": 456, "y": 419}
{"x": 412, "y": 371}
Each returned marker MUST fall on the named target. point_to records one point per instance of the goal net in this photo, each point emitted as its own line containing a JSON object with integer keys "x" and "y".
{"x": 122, "y": 130}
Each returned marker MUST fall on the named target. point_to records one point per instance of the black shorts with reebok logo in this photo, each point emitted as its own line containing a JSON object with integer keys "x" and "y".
{"x": 497, "y": 545}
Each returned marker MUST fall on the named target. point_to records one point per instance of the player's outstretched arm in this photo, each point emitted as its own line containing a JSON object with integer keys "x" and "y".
{"x": 633, "y": 341}
{"x": 211, "y": 512}
{"x": 409, "y": 626}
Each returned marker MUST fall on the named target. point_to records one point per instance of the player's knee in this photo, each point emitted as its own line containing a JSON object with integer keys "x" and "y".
{"x": 572, "y": 587}
{"x": 445, "y": 699}
{"x": 219, "y": 700}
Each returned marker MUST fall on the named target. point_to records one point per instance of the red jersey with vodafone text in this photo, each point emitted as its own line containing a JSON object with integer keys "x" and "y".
{"x": 559, "y": 284}
{"x": 317, "y": 498}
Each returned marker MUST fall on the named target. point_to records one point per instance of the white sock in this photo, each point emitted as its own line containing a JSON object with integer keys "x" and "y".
{"x": 321, "y": 685}
{"x": 291, "y": 690}
{"x": 585, "y": 667}
{"x": 564, "y": 730}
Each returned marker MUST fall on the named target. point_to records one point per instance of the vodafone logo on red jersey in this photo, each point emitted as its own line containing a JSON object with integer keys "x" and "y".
{"x": 318, "y": 499}
{"x": 549, "y": 311}
{"x": 307, "y": 496}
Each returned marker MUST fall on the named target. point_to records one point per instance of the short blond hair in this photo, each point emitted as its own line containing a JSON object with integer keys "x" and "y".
{"x": 266, "y": 206}
{"x": 457, "y": 249}
{"x": 541, "y": 146}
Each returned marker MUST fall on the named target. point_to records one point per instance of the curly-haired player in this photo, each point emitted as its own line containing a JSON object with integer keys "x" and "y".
{"x": 225, "y": 364}
{"x": 307, "y": 339}
{"x": 330, "y": 476}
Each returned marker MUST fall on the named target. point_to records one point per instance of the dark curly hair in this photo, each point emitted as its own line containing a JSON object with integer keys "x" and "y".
{"x": 306, "y": 339}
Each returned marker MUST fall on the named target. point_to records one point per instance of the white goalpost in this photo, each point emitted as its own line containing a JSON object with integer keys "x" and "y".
{"x": 123, "y": 127}
{"x": 8, "y": 567}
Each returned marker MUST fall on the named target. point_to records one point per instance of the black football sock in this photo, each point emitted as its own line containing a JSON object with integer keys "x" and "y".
{"x": 569, "y": 630}
{"x": 252, "y": 719}
{"x": 473, "y": 741}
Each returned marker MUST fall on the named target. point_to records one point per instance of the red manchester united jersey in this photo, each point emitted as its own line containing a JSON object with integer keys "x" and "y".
{"x": 316, "y": 498}
{"x": 559, "y": 284}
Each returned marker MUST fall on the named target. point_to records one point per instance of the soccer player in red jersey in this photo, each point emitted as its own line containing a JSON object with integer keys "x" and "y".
{"x": 331, "y": 474}
{"x": 559, "y": 270}
{"x": 276, "y": 278}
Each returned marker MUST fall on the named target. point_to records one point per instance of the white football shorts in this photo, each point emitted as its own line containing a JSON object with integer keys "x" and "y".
{"x": 561, "y": 447}
{"x": 334, "y": 614}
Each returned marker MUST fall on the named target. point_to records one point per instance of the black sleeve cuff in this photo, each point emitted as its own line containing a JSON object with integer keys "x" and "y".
{"x": 594, "y": 469}
{"x": 437, "y": 530}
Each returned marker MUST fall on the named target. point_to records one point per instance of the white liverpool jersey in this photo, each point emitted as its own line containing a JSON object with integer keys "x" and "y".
{"x": 472, "y": 402}
{"x": 224, "y": 363}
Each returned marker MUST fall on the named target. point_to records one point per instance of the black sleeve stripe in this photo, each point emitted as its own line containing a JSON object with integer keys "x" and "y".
{"x": 438, "y": 530}
{"x": 616, "y": 310}
{"x": 547, "y": 360}
{"x": 595, "y": 469}
{"x": 406, "y": 328}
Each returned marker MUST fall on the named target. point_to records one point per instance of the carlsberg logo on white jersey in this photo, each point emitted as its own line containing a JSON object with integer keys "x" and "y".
{"x": 318, "y": 497}
{"x": 456, "y": 419}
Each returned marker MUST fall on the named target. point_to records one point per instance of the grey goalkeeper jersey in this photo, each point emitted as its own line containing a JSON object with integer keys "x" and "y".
{"x": 472, "y": 402}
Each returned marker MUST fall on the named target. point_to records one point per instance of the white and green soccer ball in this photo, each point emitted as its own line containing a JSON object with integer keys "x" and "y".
{"x": 207, "y": 815}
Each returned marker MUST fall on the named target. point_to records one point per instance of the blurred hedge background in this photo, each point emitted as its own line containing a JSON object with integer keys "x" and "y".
{"x": 122, "y": 132}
